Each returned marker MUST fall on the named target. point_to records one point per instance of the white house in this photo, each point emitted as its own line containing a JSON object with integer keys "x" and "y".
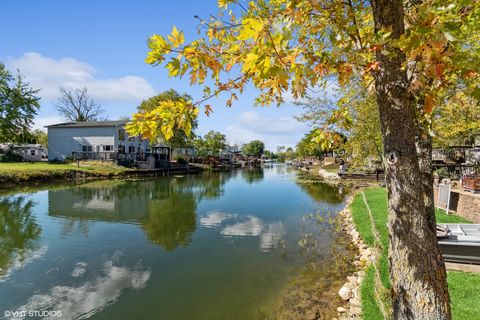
{"x": 29, "y": 152}
{"x": 92, "y": 140}
{"x": 188, "y": 153}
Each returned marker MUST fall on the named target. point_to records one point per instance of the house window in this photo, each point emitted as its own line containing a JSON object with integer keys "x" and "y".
{"x": 32, "y": 152}
{"x": 131, "y": 149}
{"x": 121, "y": 134}
{"x": 108, "y": 148}
{"x": 87, "y": 148}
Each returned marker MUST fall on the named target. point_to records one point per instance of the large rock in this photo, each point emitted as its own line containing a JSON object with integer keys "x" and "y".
{"x": 341, "y": 310}
{"x": 355, "y": 234}
{"x": 345, "y": 292}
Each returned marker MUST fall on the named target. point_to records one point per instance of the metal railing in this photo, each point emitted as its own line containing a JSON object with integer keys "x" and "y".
{"x": 91, "y": 155}
{"x": 457, "y": 171}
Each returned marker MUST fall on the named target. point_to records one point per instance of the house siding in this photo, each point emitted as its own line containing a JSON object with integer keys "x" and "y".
{"x": 63, "y": 141}
{"x": 186, "y": 152}
{"x": 27, "y": 154}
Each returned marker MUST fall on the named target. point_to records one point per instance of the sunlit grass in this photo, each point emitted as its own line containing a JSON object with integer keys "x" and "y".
{"x": 464, "y": 287}
{"x": 24, "y": 171}
{"x": 443, "y": 217}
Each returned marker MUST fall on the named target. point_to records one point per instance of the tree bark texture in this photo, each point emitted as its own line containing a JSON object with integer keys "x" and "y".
{"x": 419, "y": 284}
{"x": 424, "y": 152}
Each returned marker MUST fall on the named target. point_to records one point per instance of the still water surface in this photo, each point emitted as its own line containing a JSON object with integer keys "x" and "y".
{"x": 212, "y": 246}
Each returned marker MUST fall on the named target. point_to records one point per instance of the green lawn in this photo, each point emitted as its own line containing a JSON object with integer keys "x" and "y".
{"x": 464, "y": 287}
{"x": 443, "y": 217}
{"x": 24, "y": 171}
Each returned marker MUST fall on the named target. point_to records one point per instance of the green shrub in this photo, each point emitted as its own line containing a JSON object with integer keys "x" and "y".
{"x": 11, "y": 156}
{"x": 181, "y": 160}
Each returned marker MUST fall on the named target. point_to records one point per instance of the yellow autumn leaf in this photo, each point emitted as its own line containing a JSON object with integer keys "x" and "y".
{"x": 176, "y": 38}
{"x": 249, "y": 64}
{"x": 250, "y": 28}
{"x": 173, "y": 67}
{"x": 223, "y": 3}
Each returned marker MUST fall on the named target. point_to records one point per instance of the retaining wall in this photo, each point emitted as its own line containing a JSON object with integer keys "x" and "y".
{"x": 463, "y": 203}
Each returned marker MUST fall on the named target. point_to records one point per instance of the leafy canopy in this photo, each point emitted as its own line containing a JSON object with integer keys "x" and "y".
{"x": 295, "y": 46}
{"x": 457, "y": 122}
{"x": 253, "y": 148}
{"x": 19, "y": 104}
{"x": 213, "y": 143}
{"x": 177, "y": 133}
{"x": 168, "y": 117}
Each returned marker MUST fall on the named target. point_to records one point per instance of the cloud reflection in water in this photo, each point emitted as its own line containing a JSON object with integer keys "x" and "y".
{"x": 81, "y": 302}
{"x": 243, "y": 226}
{"x": 215, "y": 219}
{"x": 19, "y": 262}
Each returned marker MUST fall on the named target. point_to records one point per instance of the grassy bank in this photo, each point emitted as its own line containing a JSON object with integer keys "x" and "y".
{"x": 11, "y": 173}
{"x": 463, "y": 287}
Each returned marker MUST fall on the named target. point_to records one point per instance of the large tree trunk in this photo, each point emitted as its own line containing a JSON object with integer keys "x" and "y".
{"x": 424, "y": 152}
{"x": 419, "y": 284}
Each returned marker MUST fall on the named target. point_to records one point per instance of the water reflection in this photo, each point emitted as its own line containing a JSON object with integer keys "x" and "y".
{"x": 215, "y": 219}
{"x": 210, "y": 185}
{"x": 254, "y": 174}
{"x": 118, "y": 201}
{"x": 90, "y": 296}
{"x": 19, "y": 234}
{"x": 171, "y": 220}
{"x": 322, "y": 192}
{"x": 246, "y": 235}
{"x": 165, "y": 208}
{"x": 234, "y": 225}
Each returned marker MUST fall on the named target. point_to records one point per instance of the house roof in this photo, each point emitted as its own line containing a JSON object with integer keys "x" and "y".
{"x": 20, "y": 146}
{"x": 160, "y": 145}
{"x": 88, "y": 124}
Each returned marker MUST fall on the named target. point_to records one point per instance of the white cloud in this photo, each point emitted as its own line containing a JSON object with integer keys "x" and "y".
{"x": 49, "y": 74}
{"x": 272, "y": 130}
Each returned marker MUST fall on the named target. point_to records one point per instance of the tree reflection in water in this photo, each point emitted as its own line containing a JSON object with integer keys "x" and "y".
{"x": 19, "y": 232}
{"x": 171, "y": 217}
{"x": 164, "y": 207}
{"x": 171, "y": 221}
{"x": 322, "y": 192}
{"x": 251, "y": 175}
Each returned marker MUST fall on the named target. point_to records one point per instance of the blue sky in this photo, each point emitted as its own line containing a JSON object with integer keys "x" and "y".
{"x": 102, "y": 45}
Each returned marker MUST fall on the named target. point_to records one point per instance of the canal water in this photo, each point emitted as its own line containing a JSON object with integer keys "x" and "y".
{"x": 209, "y": 246}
